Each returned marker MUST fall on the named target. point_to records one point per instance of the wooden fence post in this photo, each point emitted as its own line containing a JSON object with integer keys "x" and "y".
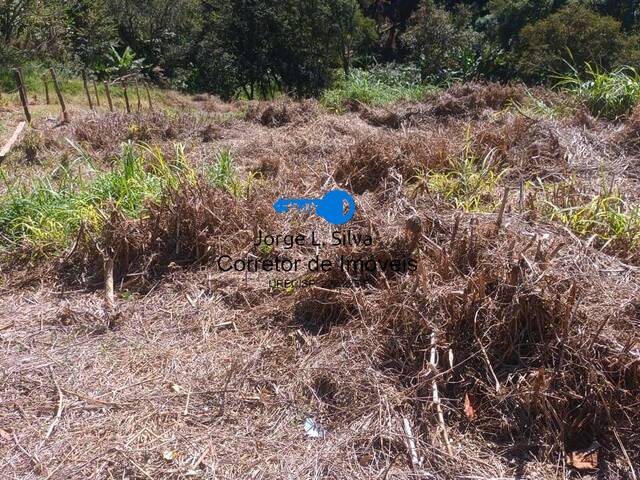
{"x": 86, "y": 88}
{"x": 138, "y": 95}
{"x": 23, "y": 94}
{"x": 146, "y": 87}
{"x": 126, "y": 96}
{"x": 65, "y": 115}
{"x": 46, "y": 89}
{"x": 95, "y": 89}
{"x": 22, "y": 86}
{"x": 108, "y": 94}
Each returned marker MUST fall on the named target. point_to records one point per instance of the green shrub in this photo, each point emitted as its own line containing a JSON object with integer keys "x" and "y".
{"x": 376, "y": 86}
{"x": 573, "y": 32}
{"x": 443, "y": 46}
{"x": 606, "y": 94}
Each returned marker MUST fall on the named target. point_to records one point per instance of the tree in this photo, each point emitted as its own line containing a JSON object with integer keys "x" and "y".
{"x": 437, "y": 44}
{"x": 575, "y": 34}
{"x": 392, "y": 19}
{"x": 92, "y": 31}
{"x": 161, "y": 31}
{"x": 14, "y": 16}
{"x": 351, "y": 29}
{"x": 626, "y": 11}
{"x": 260, "y": 46}
{"x": 507, "y": 17}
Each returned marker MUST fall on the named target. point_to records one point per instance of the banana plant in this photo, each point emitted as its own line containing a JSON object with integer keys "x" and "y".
{"x": 125, "y": 64}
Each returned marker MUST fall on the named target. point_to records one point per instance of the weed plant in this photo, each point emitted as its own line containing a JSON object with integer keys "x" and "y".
{"x": 376, "y": 87}
{"x": 607, "y": 94}
{"x": 606, "y": 216}
{"x": 470, "y": 182}
{"x": 222, "y": 174}
{"x": 46, "y": 214}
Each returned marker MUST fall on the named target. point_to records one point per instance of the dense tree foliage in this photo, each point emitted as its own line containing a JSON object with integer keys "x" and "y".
{"x": 256, "y": 48}
{"x": 570, "y": 38}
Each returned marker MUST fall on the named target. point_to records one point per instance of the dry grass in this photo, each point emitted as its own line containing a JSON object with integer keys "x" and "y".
{"x": 277, "y": 114}
{"x": 474, "y": 99}
{"x": 186, "y": 228}
{"x": 104, "y": 132}
{"x": 198, "y": 373}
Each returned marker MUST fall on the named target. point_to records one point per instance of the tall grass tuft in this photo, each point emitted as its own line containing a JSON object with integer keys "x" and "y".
{"x": 222, "y": 174}
{"x": 46, "y": 215}
{"x": 469, "y": 182}
{"x": 376, "y": 87}
{"x": 606, "y": 94}
{"x": 606, "y": 216}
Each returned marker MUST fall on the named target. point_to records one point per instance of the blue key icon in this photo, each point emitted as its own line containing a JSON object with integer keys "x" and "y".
{"x": 336, "y": 207}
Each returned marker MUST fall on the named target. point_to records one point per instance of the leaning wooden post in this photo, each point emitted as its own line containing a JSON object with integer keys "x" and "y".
{"x": 95, "y": 89}
{"x": 126, "y": 97}
{"x": 56, "y": 86}
{"x": 22, "y": 85}
{"x": 46, "y": 89}
{"x": 86, "y": 89}
{"x": 146, "y": 87}
{"x": 23, "y": 94}
{"x": 108, "y": 94}
{"x": 138, "y": 95}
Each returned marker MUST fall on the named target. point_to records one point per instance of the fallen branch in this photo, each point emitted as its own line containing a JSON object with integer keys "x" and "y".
{"x": 411, "y": 444}
{"x": 14, "y": 138}
{"x": 436, "y": 396}
{"x": 58, "y": 414}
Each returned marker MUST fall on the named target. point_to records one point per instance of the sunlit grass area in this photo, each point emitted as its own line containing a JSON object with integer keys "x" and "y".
{"x": 375, "y": 87}
{"x": 607, "y": 94}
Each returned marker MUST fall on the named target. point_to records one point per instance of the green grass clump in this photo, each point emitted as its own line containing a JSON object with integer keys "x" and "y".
{"x": 375, "y": 87}
{"x": 607, "y": 217}
{"x": 222, "y": 174}
{"x": 46, "y": 215}
{"x": 606, "y": 94}
{"x": 469, "y": 182}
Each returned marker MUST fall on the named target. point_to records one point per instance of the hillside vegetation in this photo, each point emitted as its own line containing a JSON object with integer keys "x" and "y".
{"x": 163, "y": 317}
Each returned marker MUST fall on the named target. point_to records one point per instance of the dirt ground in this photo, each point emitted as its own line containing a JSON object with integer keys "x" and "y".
{"x": 510, "y": 352}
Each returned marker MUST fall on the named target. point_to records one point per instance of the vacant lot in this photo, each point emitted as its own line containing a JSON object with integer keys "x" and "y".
{"x": 511, "y": 350}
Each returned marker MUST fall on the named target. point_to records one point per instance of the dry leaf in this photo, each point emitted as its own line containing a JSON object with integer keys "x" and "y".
{"x": 365, "y": 460}
{"x": 469, "y": 411}
{"x": 265, "y": 395}
{"x": 4, "y": 435}
{"x": 584, "y": 459}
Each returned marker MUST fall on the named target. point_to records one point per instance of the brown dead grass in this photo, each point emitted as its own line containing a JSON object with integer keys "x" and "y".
{"x": 629, "y": 136}
{"x": 367, "y": 164}
{"x": 187, "y": 228}
{"x": 198, "y": 372}
{"x": 277, "y": 114}
{"x": 530, "y": 148}
{"x": 107, "y": 131}
{"x": 474, "y": 99}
